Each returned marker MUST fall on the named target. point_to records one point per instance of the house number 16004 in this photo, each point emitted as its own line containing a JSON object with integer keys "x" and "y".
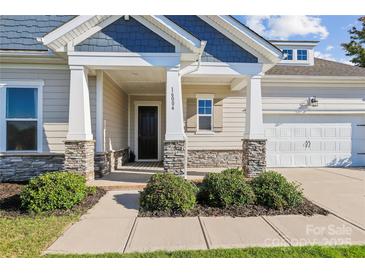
{"x": 172, "y": 99}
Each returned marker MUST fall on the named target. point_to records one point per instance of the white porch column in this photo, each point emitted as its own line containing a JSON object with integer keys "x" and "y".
{"x": 254, "y": 142}
{"x": 175, "y": 147}
{"x": 174, "y": 107}
{"x": 79, "y": 144}
{"x": 79, "y": 125}
{"x": 254, "y": 120}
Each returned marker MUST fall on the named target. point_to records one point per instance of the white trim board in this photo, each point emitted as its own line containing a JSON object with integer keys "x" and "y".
{"x": 314, "y": 112}
{"x": 100, "y": 140}
{"x": 102, "y": 60}
{"x": 159, "y": 125}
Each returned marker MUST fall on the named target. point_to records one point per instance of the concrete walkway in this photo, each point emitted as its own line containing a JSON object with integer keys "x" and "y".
{"x": 113, "y": 226}
{"x": 339, "y": 190}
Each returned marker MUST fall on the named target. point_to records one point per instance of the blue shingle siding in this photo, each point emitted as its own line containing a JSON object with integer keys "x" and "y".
{"x": 219, "y": 47}
{"x": 126, "y": 36}
{"x": 21, "y": 32}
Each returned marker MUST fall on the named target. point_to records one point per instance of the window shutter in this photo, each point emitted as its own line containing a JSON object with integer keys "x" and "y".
{"x": 191, "y": 115}
{"x": 218, "y": 115}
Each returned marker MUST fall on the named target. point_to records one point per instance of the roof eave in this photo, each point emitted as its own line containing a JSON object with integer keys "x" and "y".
{"x": 312, "y": 78}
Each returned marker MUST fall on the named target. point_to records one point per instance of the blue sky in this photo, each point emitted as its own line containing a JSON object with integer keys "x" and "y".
{"x": 331, "y": 31}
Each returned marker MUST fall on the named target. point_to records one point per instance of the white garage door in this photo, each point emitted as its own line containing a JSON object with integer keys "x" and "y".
{"x": 315, "y": 140}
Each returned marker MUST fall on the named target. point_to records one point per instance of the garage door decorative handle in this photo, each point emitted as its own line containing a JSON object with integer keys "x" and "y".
{"x": 307, "y": 144}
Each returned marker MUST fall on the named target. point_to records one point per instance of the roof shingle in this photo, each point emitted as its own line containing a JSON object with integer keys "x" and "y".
{"x": 321, "y": 67}
{"x": 21, "y": 32}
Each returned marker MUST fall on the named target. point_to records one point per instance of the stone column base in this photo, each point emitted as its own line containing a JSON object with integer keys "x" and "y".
{"x": 79, "y": 158}
{"x": 175, "y": 157}
{"x": 254, "y": 156}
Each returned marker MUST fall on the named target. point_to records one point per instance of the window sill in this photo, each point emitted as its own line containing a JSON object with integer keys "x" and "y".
{"x": 204, "y": 133}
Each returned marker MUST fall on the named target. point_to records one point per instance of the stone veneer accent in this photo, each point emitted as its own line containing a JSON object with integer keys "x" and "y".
{"x": 105, "y": 162}
{"x": 22, "y": 167}
{"x": 254, "y": 156}
{"x": 175, "y": 157}
{"x": 214, "y": 158}
{"x": 79, "y": 158}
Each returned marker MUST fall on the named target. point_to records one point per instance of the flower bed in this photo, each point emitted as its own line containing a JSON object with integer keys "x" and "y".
{"x": 11, "y": 205}
{"x": 230, "y": 193}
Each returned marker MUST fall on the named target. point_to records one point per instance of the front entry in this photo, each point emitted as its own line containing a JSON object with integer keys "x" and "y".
{"x": 147, "y": 132}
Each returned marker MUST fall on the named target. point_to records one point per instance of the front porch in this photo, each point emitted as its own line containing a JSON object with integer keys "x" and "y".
{"x": 135, "y": 175}
{"x": 147, "y": 109}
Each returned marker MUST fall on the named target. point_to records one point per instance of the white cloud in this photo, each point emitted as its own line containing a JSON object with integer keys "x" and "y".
{"x": 347, "y": 62}
{"x": 329, "y": 48}
{"x": 257, "y": 23}
{"x": 328, "y": 56}
{"x": 282, "y": 27}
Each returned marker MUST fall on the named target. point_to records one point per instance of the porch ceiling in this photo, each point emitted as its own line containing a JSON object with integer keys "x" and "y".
{"x": 153, "y": 80}
{"x": 133, "y": 80}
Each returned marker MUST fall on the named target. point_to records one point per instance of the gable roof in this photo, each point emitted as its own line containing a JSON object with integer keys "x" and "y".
{"x": 85, "y": 26}
{"x": 233, "y": 27}
{"x": 219, "y": 48}
{"x": 321, "y": 67}
{"x": 226, "y": 25}
{"x": 21, "y": 32}
{"x": 125, "y": 36}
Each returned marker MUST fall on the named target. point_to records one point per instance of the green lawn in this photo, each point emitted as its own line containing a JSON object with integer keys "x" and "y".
{"x": 28, "y": 236}
{"x": 273, "y": 252}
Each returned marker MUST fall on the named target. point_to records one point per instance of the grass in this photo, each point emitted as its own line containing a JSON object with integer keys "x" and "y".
{"x": 26, "y": 236}
{"x": 256, "y": 252}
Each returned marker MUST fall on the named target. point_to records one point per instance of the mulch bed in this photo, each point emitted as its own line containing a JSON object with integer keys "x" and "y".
{"x": 10, "y": 201}
{"x": 306, "y": 209}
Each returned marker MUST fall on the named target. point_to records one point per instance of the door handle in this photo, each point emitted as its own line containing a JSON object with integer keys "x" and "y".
{"x": 307, "y": 144}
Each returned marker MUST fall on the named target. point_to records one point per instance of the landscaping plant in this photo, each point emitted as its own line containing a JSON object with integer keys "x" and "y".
{"x": 226, "y": 189}
{"x": 168, "y": 192}
{"x": 53, "y": 190}
{"x": 273, "y": 190}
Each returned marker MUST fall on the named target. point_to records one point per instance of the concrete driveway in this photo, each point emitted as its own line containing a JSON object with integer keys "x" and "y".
{"x": 340, "y": 190}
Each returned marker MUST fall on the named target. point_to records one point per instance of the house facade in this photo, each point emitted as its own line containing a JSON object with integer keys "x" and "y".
{"x": 84, "y": 93}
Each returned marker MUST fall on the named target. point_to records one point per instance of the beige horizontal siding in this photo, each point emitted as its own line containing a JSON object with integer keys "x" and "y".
{"x": 329, "y": 98}
{"x": 115, "y": 113}
{"x": 233, "y": 118}
{"x": 55, "y": 102}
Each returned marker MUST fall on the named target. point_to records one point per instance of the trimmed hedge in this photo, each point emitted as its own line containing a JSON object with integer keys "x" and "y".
{"x": 168, "y": 192}
{"x": 273, "y": 190}
{"x": 53, "y": 190}
{"x": 226, "y": 189}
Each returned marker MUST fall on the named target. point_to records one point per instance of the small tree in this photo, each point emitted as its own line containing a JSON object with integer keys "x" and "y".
{"x": 355, "y": 47}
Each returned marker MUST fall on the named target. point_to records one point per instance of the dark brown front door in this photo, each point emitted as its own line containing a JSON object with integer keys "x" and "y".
{"x": 147, "y": 133}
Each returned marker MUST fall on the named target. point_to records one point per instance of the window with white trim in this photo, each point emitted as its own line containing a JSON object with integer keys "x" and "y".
{"x": 205, "y": 113}
{"x": 21, "y": 118}
{"x": 288, "y": 54}
{"x": 302, "y": 54}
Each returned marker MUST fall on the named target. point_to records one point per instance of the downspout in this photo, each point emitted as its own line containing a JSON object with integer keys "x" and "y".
{"x": 200, "y": 53}
{"x": 182, "y": 73}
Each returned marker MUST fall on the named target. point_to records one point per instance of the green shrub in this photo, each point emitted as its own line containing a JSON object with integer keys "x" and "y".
{"x": 273, "y": 190}
{"x": 168, "y": 192}
{"x": 225, "y": 189}
{"x": 234, "y": 172}
{"x": 53, "y": 190}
